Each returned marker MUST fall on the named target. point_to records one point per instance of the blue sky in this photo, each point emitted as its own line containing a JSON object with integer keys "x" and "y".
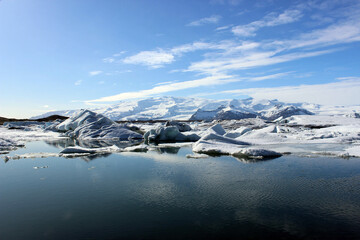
{"x": 65, "y": 54}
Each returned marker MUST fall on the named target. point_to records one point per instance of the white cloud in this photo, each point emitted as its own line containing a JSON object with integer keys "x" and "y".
{"x": 269, "y": 20}
{"x": 119, "y": 54}
{"x": 108, "y": 60}
{"x": 164, "y": 83}
{"x": 272, "y": 76}
{"x": 224, "y": 57}
{"x": 239, "y": 56}
{"x": 171, "y": 87}
{"x": 46, "y": 106}
{"x": 113, "y": 57}
{"x": 153, "y": 59}
{"x": 78, "y": 82}
{"x": 203, "y": 21}
{"x": 223, "y": 28}
{"x": 160, "y": 57}
{"x": 344, "y": 32}
{"x": 94, "y": 73}
{"x": 249, "y": 60}
{"x": 345, "y": 92}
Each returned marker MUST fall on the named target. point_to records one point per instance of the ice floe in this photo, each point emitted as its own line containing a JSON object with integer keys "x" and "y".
{"x": 10, "y": 139}
{"x": 214, "y": 144}
{"x": 77, "y": 149}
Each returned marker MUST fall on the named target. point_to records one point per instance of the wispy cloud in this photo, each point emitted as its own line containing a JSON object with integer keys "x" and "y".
{"x": 237, "y": 55}
{"x": 339, "y": 33}
{"x": 230, "y": 2}
{"x": 270, "y": 20}
{"x": 159, "y": 57}
{"x": 78, "y": 82}
{"x": 94, "y": 73}
{"x": 255, "y": 54}
{"x": 113, "y": 57}
{"x": 272, "y": 76}
{"x": 152, "y": 59}
{"x": 343, "y": 92}
{"x": 108, "y": 60}
{"x": 206, "y": 20}
{"x": 119, "y": 54}
{"x": 171, "y": 87}
{"x": 223, "y": 27}
{"x": 220, "y": 59}
{"x": 249, "y": 60}
{"x": 117, "y": 72}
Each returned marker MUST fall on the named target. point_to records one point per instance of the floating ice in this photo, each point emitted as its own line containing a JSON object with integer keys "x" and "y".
{"x": 183, "y": 127}
{"x": 168, "y": 134}
{"x": 89, "y": 125}
{"x": 77, "y": 149}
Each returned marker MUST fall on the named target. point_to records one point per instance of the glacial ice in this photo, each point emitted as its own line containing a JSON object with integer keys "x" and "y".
{"x": 168, "y": 134}
{"x": 90, "y": 125}
{"x": 183, "y": 127}
{"x": 77, "y": 149}
{"x": 214, "y": 144}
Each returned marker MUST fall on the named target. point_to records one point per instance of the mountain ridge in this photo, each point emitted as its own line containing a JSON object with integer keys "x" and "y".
{"x": 180, "y": 108}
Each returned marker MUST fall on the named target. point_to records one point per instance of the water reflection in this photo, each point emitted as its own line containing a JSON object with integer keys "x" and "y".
{"x": 162, "y": 195}
{"x": 254, "y": 160}
{"x": 64, "y": 143}
{"x": 170, "y": 150}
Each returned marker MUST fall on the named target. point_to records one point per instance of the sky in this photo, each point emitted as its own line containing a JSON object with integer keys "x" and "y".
{"x": 65, "y": 54}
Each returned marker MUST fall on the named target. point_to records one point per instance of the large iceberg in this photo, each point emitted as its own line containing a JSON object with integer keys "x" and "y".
{"x": 90, "y": 125}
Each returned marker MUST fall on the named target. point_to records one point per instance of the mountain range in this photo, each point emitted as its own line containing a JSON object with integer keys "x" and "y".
{"x": 177, "y": 108}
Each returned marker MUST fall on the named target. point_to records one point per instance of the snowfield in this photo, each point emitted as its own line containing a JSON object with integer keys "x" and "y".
{"x": 269, "y": 130}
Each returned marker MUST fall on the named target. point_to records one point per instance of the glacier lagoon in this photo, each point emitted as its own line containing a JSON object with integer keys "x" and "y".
{"x": 164, "y": 195}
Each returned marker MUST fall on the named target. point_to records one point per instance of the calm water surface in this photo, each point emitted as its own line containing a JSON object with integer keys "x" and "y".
{"x": 164, "y": 195}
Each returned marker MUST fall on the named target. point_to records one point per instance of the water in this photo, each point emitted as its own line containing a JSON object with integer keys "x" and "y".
{"x": 163, "y": 195}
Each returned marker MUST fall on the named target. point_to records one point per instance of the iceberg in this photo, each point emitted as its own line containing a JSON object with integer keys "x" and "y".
{"x": 168, "y": 134}
{"x": 213, "y": 144}
{"x": 183, "y": 127}
{"x": 90, "y": 125}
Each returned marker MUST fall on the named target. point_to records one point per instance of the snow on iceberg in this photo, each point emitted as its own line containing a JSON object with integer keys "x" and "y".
{"x": 214, "y": 144}
{"x": 82, "y": 118}
{"x": 82, "y": 150}
{"x": 90, "y": 125}
{"x": 215, "y": 129}
{"x": 237, "y": 132}
{"x": 217, "y": 144}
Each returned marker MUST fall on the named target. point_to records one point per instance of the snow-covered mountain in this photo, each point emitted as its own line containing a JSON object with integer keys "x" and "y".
{"x": 151, "y": 108}
{"x": 176, "y": 108}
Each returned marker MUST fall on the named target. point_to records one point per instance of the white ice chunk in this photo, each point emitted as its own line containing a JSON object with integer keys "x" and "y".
{"x": 77, "y": 149}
